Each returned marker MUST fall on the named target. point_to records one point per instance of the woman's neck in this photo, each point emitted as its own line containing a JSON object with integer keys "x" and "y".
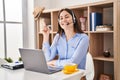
{"x": 69, "y": 34}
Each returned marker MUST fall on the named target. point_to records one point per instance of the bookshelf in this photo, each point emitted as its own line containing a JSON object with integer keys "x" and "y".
{"x": 99, "y": 40}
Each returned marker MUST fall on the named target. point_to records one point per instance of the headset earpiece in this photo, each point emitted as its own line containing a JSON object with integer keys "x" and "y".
{"x": 58, "y": 20}
{"x": 73, "y": 16}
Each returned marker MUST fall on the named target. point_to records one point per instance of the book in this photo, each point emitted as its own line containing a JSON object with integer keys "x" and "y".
{"x": 95, "y": 20}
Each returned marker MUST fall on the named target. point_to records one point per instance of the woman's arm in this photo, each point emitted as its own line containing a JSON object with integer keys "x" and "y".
{"x": 50, "y": 51}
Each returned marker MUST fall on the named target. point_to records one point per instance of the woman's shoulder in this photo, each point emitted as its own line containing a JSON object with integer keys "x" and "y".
{"x": 57, "y": 35}
{"x": 82, "y": 35}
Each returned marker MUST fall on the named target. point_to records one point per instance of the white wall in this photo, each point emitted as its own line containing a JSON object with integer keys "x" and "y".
{"x": 49, "y": 4}
{"x": 45, "y": 3}
{"x": 28, "y": 24}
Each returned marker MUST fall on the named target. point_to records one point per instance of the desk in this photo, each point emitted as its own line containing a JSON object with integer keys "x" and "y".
{"x": 22, "y": 74}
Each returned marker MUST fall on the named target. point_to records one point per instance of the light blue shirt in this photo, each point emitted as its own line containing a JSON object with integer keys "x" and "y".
{"x": 72, "y": 51}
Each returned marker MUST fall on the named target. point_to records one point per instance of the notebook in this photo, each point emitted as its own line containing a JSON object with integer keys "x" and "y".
{"x": 34, "y": 60}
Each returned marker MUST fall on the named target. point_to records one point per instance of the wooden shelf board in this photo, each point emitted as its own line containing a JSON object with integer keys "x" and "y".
{"x": 54, "y": 32}
{"x": 101, "y": 31}
{"x": 102, "y": 58}
{"x": 51, "y": 10}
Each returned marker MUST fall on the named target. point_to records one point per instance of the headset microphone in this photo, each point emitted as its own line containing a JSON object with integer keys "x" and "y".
{"x": 69, "y": 23}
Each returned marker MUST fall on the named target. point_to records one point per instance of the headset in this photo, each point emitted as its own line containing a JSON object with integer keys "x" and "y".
{"x": 73, "y": 17}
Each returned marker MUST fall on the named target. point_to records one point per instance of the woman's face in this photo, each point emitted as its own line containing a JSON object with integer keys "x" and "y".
{"x": 65, "y": 20}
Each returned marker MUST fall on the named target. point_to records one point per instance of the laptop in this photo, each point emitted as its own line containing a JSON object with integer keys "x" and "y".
{"x": 34, "y": 60}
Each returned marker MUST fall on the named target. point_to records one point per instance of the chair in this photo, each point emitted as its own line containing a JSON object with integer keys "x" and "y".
{"x": 89, "y": 67}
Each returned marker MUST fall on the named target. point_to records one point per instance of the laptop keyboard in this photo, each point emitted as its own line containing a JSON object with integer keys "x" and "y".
{"x": 53, "y": 68}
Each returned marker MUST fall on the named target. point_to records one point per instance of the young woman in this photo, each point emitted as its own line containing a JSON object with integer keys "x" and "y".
{"x": 70, "y": 43}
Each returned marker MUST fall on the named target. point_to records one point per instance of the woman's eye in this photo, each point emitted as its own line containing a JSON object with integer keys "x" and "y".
{"x": 67, "y": 17}
{"x": 61, "y": 18}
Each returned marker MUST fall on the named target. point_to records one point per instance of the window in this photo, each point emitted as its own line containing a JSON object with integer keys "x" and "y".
{"x": 13, "y": 10}
{"x": 11, "y": 35}
{"x": 1, "y": 10}
{"x": 1, "y": 41}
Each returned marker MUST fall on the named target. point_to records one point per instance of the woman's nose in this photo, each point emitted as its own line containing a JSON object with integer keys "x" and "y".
{"x": 64, "y": 20}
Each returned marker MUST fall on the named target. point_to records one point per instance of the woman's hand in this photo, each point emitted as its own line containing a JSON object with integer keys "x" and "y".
{"x": 51, "y": 63}
{"x": 45, "y": 32}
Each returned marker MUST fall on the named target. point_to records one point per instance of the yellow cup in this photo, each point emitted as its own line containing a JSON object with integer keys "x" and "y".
{"x": 70, "y": 67}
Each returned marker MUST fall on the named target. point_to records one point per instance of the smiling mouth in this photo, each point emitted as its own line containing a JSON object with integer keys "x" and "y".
{"x": 67, "y": 23}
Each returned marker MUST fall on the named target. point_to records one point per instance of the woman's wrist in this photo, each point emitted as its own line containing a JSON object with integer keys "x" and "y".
{"x": 45, "y": 39}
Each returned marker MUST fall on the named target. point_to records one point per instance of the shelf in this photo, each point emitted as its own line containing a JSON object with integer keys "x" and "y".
{"x": 102, "y": 58}
{"x": 101, "y": 31}
{"x": 50, "y": 10}
{"x": 54, "y": 32}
